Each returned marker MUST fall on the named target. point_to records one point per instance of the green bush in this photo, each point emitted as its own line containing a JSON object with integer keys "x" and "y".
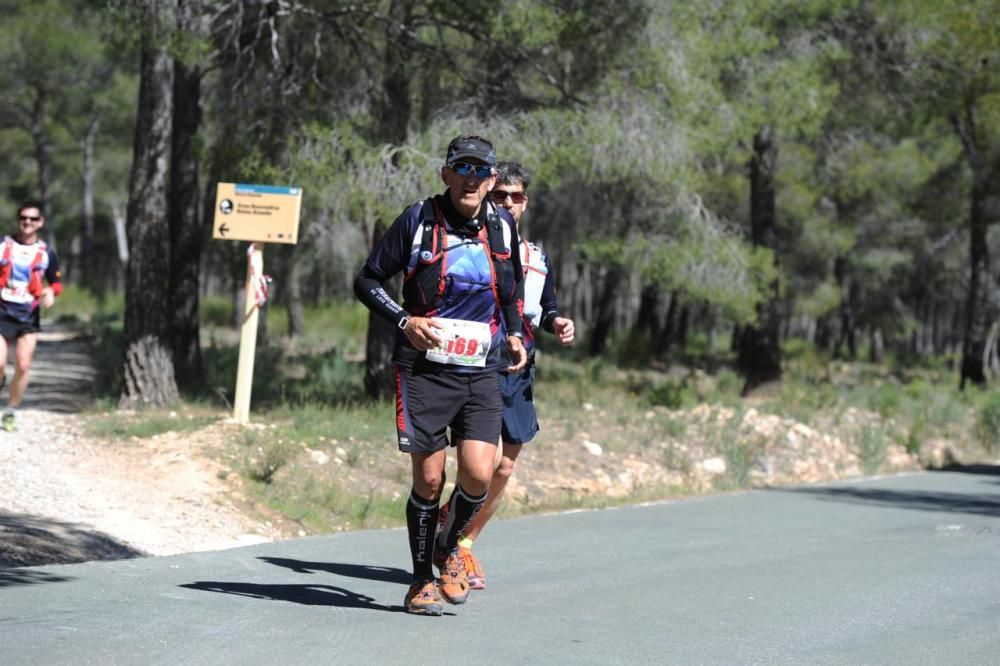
{"x": 329, "y": 379}
{"x": 369, "y": 421}
{"x": 729, "y": 383}
{"x": 807, "y": 361}
{"x": 340, "y": 325}
{"x": 988, "y": 423}
{"x": 871, "y": 445}
{"x": 632, "y": 350}
{"x": 109, "y": 354}
{"x": 888, "y": 399}
{"x": 216, "y": 311}
{"x": 79, "y": 304}
{"x": 671, "y": 394}
{"x": 915, "y": 436}
{"x": 220, "y": 365}
{"x": 142, "y": 425}
{"x": 262, "y": 465}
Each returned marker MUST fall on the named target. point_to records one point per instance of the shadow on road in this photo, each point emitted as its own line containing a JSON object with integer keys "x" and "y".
{"x": 383, "y": 574}
{"x": 310, "y": 595}
{"x": 980, "y": 505}
{"x": 12, "y": 577}
{"x": 27, "y": 540}
{"x": 987, "y": 470}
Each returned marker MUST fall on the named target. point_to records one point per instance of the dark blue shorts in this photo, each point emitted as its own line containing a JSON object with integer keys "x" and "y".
{"x": 429, "y": 403}
{"x": 520, "y": 423}
{"x": 12, "y": 329}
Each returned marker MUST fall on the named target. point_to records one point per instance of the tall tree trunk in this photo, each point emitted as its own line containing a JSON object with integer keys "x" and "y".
{"x": 675, "y": 326}
{"x": 148, "y": 376}
{"x": 605, "y": 315}
{"x": 88, "y": 267}
{"x": 825, "y": 332}
{"x": 119, "y": 219}
{"x": 760, "y": 352}
{"x": 296, "y": 313}
{"x": 186, "y": 235}
{"x": 848, "y": 332}
{"x": 394, "y": 107}
{"x": 977, "y": 298}
{"x": 392, "y": 114}
{"x": 977, "y": 303}
{"x": 877, "y": 352}
{"x": 648, "y": 319}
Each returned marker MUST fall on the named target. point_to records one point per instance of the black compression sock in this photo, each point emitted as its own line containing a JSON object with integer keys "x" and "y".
{"x": 462, "y": 507}
{"x": 421, "y": 520}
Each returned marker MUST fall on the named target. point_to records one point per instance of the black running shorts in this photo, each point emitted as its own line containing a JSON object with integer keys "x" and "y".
{"x": 12, "y": 329}
{"x": 520, "y": 423}
{"x": 428, "y": 403}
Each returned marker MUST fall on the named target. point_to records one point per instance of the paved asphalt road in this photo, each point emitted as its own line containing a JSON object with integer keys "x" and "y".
{"x": 900, "y": 570}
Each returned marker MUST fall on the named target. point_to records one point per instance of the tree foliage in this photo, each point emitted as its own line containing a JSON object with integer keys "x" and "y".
{"x": 637, "y": 118}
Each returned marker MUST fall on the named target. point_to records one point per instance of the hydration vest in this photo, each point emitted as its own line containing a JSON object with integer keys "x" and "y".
{"x": 535, "y": 272}
{"x": 35, "y": 271}
{"x": 428, "y": 280}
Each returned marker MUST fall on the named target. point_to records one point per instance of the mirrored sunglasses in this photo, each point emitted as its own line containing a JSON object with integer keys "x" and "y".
{"x": 463, "y": 169}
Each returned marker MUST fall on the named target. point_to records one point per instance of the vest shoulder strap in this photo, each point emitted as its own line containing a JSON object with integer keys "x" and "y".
{"x": 36, "y": 263}
{"x": 494, "y": 231}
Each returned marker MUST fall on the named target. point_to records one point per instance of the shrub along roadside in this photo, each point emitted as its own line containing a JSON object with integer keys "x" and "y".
{"x": 334, "y": 466}
{"x": 327, "y": 458}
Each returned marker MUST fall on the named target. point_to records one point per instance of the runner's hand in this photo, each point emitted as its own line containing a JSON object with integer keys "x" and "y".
{"x": 48, "y": 297}
{"x": 420, "y": 332}
{"x": 518, "y": 354}
{"x": 564, "y": 329}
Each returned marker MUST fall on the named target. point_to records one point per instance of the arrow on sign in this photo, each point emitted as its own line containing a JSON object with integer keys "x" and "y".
{"x": 223, "y": 229}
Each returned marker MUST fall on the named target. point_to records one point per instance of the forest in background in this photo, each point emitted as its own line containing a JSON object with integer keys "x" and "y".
{"x": 822, "y": 171}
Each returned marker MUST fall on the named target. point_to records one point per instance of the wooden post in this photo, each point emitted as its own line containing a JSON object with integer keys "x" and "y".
{"x": 248, "y": 339}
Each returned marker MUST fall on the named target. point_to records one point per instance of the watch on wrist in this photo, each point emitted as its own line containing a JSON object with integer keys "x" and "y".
{"x": 402, "y": 323}
{"x": 517, "y": 334}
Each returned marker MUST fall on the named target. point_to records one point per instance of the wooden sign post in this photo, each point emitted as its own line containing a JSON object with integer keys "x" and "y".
{"x": 256, "y": 213}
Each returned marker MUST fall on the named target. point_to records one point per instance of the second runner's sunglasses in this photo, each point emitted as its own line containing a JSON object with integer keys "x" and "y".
{"x": 463, "y": 169}
{"x": 499, "y": 196}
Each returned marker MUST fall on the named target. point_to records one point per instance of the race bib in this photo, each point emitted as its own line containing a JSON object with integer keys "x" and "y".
{"x": 16, "y": 293}
{"x": 464, "y": 343}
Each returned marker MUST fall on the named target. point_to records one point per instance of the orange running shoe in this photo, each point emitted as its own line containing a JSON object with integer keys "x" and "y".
{"x": 473, "y": 570}
{"x": 454, "y": 583}
{"x": 423, "y": 599}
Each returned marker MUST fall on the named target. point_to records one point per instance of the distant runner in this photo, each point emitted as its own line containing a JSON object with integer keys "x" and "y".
{"x": 26, "y": 265}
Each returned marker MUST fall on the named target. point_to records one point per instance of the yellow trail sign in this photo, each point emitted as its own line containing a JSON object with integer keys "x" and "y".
{"x": 262, "y": 213}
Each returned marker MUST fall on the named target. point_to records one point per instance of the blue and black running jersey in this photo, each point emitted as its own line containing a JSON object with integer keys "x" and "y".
{"x": 468, "y": 292}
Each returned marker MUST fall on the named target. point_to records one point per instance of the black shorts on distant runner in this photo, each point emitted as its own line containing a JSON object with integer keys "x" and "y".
{"x": 12, "y": 329}
{"x": 428, "y": 403}
{"x": 520, "y": 422}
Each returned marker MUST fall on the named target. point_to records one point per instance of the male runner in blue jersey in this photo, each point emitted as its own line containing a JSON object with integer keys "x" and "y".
{"x": 26, "y": 264}
{"x": 541, "y": 310}
{"x": 460, "y": 319}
